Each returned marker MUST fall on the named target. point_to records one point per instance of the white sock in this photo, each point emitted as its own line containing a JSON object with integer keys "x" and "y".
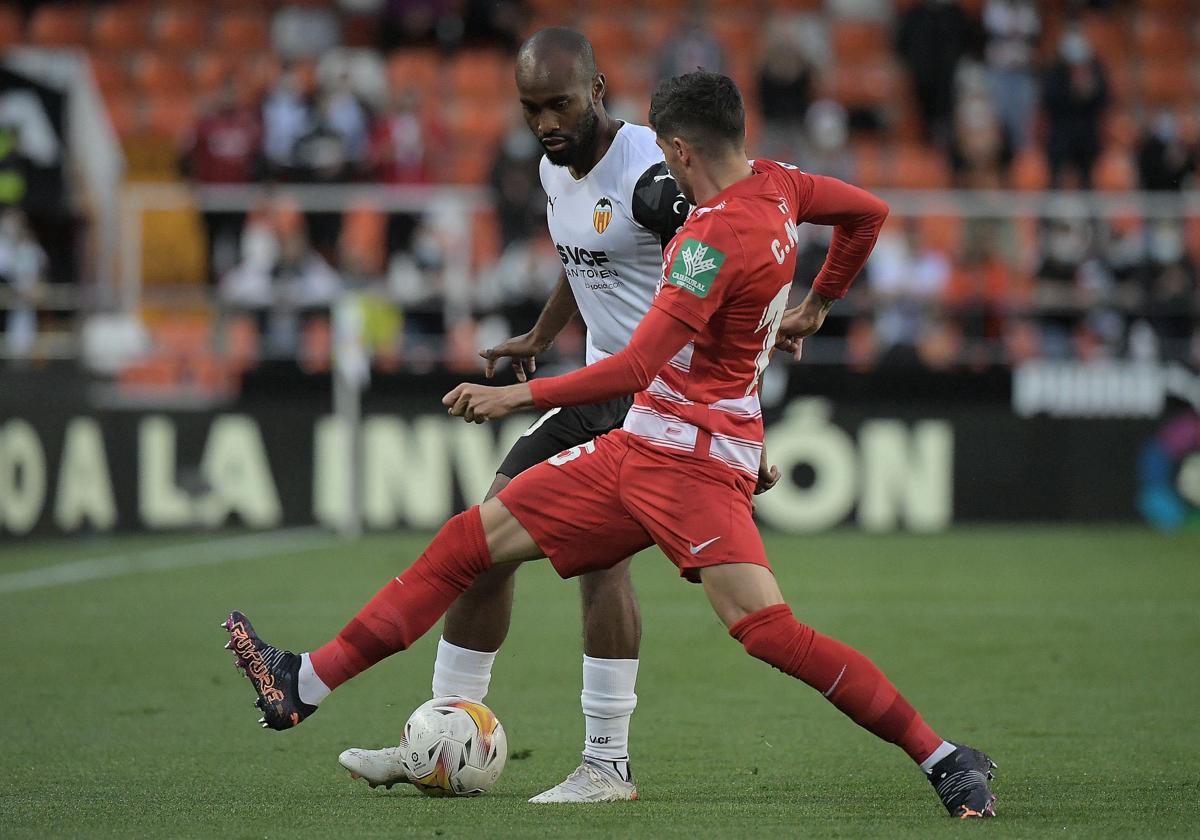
{"x": 608, "y": 702}
{"x": 941, "y": 752}
{"x": 309, "y": 686}
{"x": 462, "y": 672}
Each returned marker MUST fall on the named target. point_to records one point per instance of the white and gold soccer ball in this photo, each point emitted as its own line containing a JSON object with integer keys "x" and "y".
{"x": 453, "y": 747}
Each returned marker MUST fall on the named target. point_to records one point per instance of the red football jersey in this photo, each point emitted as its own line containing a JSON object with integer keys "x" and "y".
{"x": 727, "y": 273}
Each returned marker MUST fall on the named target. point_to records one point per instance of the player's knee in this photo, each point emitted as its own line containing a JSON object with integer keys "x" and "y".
{"x": 496, "y": 581}
{"x": 775, "y": 636}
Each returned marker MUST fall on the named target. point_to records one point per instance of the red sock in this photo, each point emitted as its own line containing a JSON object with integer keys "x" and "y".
{"x": 846, "y": 678}
{"x": 410, "y": 604}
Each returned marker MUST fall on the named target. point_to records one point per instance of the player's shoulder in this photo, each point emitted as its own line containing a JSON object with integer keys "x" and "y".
{"x": 638, "y": 151}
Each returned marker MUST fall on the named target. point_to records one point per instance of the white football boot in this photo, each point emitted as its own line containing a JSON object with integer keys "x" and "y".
{"x": 591, "y": 781}
{"x": 378, "y": 767}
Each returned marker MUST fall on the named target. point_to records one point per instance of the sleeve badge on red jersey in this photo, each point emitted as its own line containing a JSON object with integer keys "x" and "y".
{"x": 695, "y": 267}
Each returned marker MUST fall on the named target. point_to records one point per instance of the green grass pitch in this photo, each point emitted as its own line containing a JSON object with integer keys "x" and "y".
{"x": 1071, "y": 655}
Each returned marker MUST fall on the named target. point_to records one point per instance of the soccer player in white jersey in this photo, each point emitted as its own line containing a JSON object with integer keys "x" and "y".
{"x": 611, "y": 207}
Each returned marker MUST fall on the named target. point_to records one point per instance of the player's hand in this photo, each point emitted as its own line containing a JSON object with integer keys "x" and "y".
{"x": 801, "y": 322}
{"x": 768, "y": 474}
{"x": 522, "y": 349}
{"x": 480, "y": 403}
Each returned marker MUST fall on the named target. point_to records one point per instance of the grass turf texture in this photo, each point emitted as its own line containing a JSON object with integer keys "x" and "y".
{"x": 1070, "y": 655}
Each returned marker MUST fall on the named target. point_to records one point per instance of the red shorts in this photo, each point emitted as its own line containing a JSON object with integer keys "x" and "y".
{"x": 592, "y": 506}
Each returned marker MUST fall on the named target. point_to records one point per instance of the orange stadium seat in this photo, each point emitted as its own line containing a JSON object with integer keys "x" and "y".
{"x": 172, "y": 116}
{"x": 919, "y": 167}
{"x": 119, "y": 28}
{"x": 123, "y": 112}
{"x": 240, "y": 344}
{"x": 1121, "y": 128}
{"x": 1108, "y": 36}
{"x": 363, "y": 238}
{"x": 738, "y": 36}
{"x": 1167, "y": 82}
{"x": 417, "y": 68}
{"x": 209, "y": 72}
{"x": 480, "y": 74}
{"x": 1030, "y": 171}
{"x": 150, "y": 374}
{"x": 59, "y": 26}
{"x": 468, "y": 164}
{"x": 316, "y": 346}
{"x": 1114, "y": 172}
{"x": 1158, "y": 36}
{"x": 243, "y": 30}
{"x": 110, "y": 75}
{"x": 868, "y": 85}
{"x": 1121, "y": 80}
{"x": 12, "y": 28}
{"x": 160, "y": 74}
{"x": 859, "y": 41}
{"x": 180, "y": 28}
{"x": 610, "y": 35}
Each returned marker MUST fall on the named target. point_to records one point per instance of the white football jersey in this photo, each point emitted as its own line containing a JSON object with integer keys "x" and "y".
{"x": 610, "y": 227}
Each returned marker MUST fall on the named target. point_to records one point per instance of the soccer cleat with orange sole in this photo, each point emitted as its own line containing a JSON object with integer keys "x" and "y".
{"x": 961, "y": 781}
{"x": 274, "y": 673}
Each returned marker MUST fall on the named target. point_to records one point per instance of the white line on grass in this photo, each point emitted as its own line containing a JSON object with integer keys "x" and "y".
{"x": 165, "y": 558}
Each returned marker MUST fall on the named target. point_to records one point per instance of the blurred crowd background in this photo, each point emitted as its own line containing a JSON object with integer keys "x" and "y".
{"x": 1039, "y": 158}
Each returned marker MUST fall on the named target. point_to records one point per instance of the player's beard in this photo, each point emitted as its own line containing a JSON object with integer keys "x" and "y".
{"x": 579, "y": 153}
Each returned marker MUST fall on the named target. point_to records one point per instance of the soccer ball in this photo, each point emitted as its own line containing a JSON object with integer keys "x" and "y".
{"x": 453, "y": 747}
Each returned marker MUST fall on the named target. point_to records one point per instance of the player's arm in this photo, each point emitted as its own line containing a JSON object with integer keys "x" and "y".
{"x": 856, "y": 217}
{"x": 657, "y": 205}
{"x": 656, "y": 340}
{"x": 523, "y": 349}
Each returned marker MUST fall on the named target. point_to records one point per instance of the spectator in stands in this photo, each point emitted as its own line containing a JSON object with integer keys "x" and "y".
{"x": 224, "y": 149}
{"x": 1011, "y": 31}
{"x": 1165, "y": 160}
{"x": 304, "y": 32}
{"x": 22, "y": 282}
{"x": 1071, "y": 285}
{"x": 498, "y": 23}
{"x": 281, "y": 279}
{"x": 932, "y": 36}
{"x": 402, "y": 141}
{"x": 823, "y": 143}
{"x": 1075, "y": 95}
{"x": 286, "y": 117}
{"x": 346, "y": 114}
{"x": 907, "y": 280}
{"x": 417, "y": 283}
{"x": 1171, "y": 296}
{"x": 415, "y": 22}
{"x": 785, "y": 82}
{"x": 516, "y": 185}
{"x": 983, "y": 294}
{"x": 691, "y": 46}
{"x": 980, "y": 153}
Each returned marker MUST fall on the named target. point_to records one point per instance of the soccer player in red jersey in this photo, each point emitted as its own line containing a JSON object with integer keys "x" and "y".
{"x": 682, "y": 470}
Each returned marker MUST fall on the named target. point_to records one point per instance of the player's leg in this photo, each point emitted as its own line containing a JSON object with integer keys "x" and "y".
{"x": 612, "y": 631}
{"x": 747, "y": 599}
{"x": 291, "y": 686}
{"x": 572, "y": 514}
{"x": 475, "y": 626}
{"x": 477, "y": 623}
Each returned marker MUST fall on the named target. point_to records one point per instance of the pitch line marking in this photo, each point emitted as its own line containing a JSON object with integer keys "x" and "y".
{"x": 167, "y": 558}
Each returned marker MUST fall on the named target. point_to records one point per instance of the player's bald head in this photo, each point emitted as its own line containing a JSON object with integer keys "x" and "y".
{"x": 556, "y": 55}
